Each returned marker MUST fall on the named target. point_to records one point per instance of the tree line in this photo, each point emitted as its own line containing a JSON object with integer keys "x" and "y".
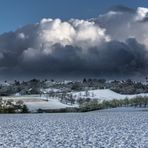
{"x": 138, "y": 101}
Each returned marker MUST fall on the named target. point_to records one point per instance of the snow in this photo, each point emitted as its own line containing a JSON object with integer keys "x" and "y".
{"x": 75, "y": 130}
{"x": 124, "y": 109}
{"x": 35, "y": 102}
{"x": 25, "y": 97}
{"x": 48, "y": 90}
{"x": 50, "y": 104}
{"x": 105, "y": 94}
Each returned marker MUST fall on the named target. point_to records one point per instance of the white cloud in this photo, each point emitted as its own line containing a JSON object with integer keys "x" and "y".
{"x": 141, "y": 13}
{"x": 56, "y": 31}
{"x": 21, "y": 36}
{"x": 121, "y": 25}
{"x": 78, "y": 33}
{"x": 88, "y": 34}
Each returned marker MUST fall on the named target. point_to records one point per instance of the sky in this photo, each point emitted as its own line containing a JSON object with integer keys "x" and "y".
{"x": 73, "y": 39}
{"x": 16, "y": 13}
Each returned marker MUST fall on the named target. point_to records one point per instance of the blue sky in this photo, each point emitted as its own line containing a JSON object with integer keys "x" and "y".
{"x": 16, "y": 13}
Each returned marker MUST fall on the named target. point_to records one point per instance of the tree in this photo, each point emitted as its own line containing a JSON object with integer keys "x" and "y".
{"x": 80, "y": 101}
{"x": 72, "y": 100}
{"x": 25, "y": 109}
{"x": 84, "y": 80}
{"x": 86, "y": 93}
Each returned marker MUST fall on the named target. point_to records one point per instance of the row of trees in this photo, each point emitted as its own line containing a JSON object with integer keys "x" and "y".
{"x": 34, "y": 86}
{"x": 138, "y": 101}
{"x": 123, "y": 87}
{"x": 69, "y": 98}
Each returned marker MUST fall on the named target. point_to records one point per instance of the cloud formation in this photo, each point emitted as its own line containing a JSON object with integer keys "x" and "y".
{"x": 113, "y": 44}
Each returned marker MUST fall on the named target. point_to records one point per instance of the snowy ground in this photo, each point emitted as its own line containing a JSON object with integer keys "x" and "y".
{"x": 51, "y": 104}
{"x": 105, "y": 94}
{"x": 125, "y": 109}
{"x": 35, "y": 102}
{"x": 75, "y": 130}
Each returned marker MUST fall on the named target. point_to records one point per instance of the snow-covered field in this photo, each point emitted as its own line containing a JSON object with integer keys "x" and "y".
{"x": 35, "y": 102}
{"x": 51, "y": 104}
{"x": 125, "y": 109}
{"x": 75, "y": 130}
{"x": 105, "y": 94}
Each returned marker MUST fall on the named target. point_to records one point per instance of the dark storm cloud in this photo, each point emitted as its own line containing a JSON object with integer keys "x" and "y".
{"x": 75, "y": 48}
{"x": 113, "y": 58}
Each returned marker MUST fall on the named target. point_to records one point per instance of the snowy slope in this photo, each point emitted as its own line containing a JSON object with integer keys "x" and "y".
{"x": 48, "y": 90}
{"x": 25, "y": 97}
{"x": 50, "y": 104}
{"x": 104, "y": 94}
{"x": 35, "y": 102}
